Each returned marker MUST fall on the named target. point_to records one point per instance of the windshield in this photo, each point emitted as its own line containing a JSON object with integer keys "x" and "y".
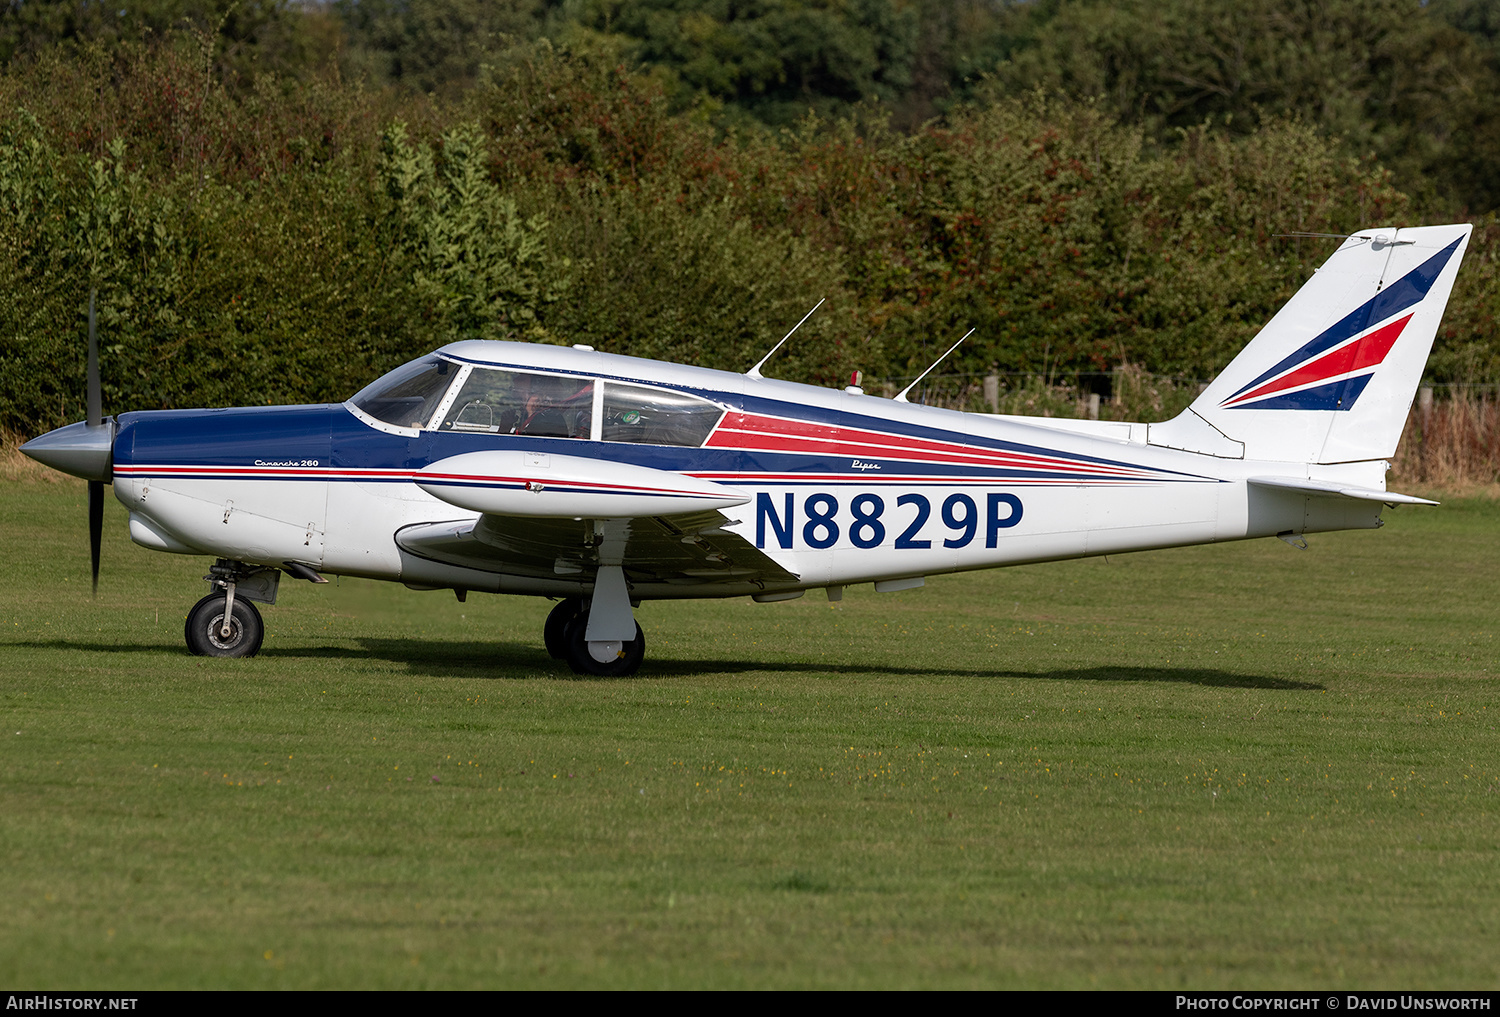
{"x": 409, "y": 395}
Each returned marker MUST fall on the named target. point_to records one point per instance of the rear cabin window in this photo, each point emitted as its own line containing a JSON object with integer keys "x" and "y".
{"x": 409, "y": 395}
{"x": 493, "y": 401}
{"x": 653, "y": 416}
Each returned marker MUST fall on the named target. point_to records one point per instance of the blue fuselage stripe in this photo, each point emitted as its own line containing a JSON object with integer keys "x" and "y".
{"x": 330, "y": 441}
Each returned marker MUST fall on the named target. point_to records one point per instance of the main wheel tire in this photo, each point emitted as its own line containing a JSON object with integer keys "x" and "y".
{"x": 582, "y": 662}
{"x": 205, "y": 623}
{"x": 555, "y": 632}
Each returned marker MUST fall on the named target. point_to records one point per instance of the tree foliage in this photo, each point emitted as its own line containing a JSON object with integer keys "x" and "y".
{"x": 474, "y": 264}
{"x": 283, "y": 237}
{"x": 1387, "y": 77}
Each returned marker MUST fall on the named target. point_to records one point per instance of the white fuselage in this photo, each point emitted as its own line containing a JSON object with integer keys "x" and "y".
{"x": 836, "y": 488}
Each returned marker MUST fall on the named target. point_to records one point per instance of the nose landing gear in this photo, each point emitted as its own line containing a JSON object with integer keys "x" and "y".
{"x": 206, "y": 628}
{"x": 226, "y": 623}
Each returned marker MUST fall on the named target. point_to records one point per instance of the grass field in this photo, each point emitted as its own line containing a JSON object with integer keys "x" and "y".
{"x": 1240, "y": 766}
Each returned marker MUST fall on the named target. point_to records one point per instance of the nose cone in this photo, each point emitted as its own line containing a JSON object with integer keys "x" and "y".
{"x": 79, "y": 449}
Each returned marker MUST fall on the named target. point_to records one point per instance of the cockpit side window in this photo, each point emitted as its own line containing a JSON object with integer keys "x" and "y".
{"x": 494, "y": 401}
{"x": 653, "y": 416}
{"x": 409, "y": 395}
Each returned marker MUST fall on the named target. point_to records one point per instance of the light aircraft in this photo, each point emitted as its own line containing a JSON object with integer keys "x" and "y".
{"x": 603, "y": 480}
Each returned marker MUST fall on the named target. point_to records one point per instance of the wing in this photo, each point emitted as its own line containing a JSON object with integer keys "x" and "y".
{"x": 685, "y": 550}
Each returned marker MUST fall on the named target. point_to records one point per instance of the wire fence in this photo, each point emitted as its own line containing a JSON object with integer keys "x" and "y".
{"x": 1452, "y": 442}
{"x": 1126, "y": 393}
{"x": 1451, "y": 439}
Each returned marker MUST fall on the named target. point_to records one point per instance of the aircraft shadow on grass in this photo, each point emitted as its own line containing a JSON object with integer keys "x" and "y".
{"x": 524, "y": 660}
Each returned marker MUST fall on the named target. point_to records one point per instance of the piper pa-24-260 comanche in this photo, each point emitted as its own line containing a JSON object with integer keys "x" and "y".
{"x": 604, "y": 481}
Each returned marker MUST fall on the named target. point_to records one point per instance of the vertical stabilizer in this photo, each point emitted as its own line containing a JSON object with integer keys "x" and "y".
{"x": 1331, "y": 377}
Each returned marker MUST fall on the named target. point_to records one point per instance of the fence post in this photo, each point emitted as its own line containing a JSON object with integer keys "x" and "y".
{"x": 992, "y": 392}
{"x": 1093, "y": 405}
{"x": 1424, "y": 406}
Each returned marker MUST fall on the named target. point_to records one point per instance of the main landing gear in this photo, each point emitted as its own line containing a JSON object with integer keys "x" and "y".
{"x": 567, "y": 637}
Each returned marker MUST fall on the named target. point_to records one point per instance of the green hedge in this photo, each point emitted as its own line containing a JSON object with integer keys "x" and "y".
{"x": 290, "y": 241}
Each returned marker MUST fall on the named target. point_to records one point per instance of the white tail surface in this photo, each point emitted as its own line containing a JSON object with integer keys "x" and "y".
{"x": 1331, "y": 377}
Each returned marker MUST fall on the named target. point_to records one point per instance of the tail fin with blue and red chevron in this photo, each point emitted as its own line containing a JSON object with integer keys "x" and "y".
{"x": 1331, "y": 377}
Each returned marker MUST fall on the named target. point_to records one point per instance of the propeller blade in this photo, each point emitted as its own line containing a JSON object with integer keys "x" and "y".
{"x": 95, "y": 418}
{"x": 96, "y": 392}
{"x": 96, "y": 527}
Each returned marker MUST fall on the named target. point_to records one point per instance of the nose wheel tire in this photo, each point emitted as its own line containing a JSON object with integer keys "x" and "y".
{"x": 205, "y": 628}
{"x": 555, "y": 632}
{"x": 621, "y": 658}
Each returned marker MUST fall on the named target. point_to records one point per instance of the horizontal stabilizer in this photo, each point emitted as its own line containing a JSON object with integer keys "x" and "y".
{"x": 1333, "y": 488}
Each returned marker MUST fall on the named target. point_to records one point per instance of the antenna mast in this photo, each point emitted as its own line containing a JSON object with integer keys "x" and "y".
{"x": 901, "y": 397}
{"x": 754, "y": 372}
